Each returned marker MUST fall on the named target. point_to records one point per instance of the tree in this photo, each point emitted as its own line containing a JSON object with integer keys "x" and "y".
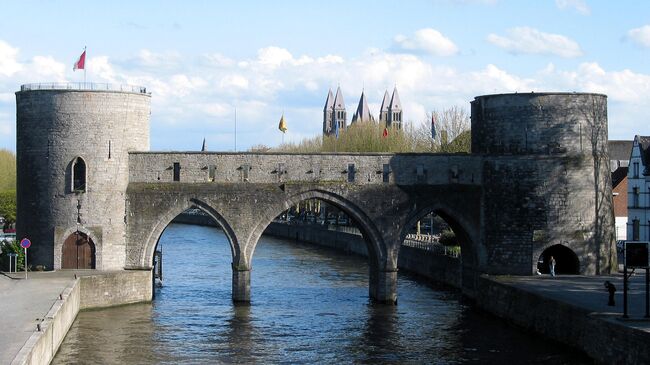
{"x": 8, "y": 205}
{"x": 594, "y": 112}
{"x": 452, "y": 123}
{"x": 7, "y": 170}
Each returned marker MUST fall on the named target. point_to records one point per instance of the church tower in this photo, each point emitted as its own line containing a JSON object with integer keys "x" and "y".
{"x": 383, "y": 111}
{"x": 328, "y": 114}
{"x": 394, "y": 111}
{"x": 340, "y": 115}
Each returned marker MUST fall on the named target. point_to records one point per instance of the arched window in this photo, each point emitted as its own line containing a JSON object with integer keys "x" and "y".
{"x": 78, "y": 175}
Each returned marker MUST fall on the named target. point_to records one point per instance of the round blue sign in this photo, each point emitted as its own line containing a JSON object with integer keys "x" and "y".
{"x": 25, "y": 243}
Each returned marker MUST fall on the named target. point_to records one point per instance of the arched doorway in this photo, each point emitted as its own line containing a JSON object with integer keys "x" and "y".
{"x": 78, "y": 252}
{"x": 566, "y": 261}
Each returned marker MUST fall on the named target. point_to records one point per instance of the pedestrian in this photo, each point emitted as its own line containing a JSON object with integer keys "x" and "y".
{"x": 551, "y": 264}
{"x": 611, "y": 289}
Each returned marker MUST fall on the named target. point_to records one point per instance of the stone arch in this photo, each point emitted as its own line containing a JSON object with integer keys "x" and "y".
{"x": 377, "y": 251}
{"x": 96, "y": 238}
{"x": 468, "y": 235}
{"x": 147, "y": 253}
{"x": 566, "y": 260}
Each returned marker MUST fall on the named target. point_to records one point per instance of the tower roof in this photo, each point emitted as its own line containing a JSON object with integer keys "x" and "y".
{"x": 395, "y": 103}
{"x": 363, "y": 112}
{"x": 338, "y": 99}
{"x": 385, "y": 103}
{"x": 329, "y": 103}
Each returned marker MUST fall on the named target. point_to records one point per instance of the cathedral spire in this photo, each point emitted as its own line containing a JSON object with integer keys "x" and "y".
{"x": 383, "y": 111}
{"x": 363, "y": 112}
{"x": 395, "y": 110}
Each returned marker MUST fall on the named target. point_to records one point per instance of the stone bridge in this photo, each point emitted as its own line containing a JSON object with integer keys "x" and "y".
{"x": 537, "y": 181}
{"x": 385, "y": 194}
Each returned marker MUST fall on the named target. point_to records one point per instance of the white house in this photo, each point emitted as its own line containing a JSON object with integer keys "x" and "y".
{"x": 638, "y": 190}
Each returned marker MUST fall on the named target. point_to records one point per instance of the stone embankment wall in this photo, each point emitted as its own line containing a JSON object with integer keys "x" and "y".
{"x": 439, "y": 268}
{"x": 603, "y": 339}
{"x": 87, "y": 292}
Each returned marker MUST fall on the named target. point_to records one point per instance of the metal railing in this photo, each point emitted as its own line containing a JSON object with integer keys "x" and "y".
{"x": 430, "y": 244}
{"x": 84, "y": 86}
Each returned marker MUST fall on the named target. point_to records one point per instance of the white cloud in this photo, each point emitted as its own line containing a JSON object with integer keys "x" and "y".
{"x": 101, "y": 68}
{"x": 640, "y": 35}
{"x": 526, "y": 40}
{"x": 147, "y": 58}
{"x": 578, "y": 5}
{"x": 425, "y": 40}
{"x": 274, "y": 56}
{"x": 233, "y": 81}
{"x": 623, "y": 86}
{"x": 200, "y": 100}
{"x": 218, "y": 60}
{"x": 47, "y": 68}
{"x": 8, "y": 63}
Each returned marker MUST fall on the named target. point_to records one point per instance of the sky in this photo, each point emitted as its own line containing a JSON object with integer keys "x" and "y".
{"x": 211, "y": 63}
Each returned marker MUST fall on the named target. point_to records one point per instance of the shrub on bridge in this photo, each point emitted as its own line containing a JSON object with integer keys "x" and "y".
{"x": 448, "y": 238}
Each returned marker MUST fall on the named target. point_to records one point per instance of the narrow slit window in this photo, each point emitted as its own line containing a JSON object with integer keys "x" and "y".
{"x": 212, "y": 169}
{"x": 351, "y": 172}
{"x": 177, "y": 171}
{"x": 386, "y": 173}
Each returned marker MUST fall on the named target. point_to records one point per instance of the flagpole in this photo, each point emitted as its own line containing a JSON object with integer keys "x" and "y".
{"x": 85, "y": 55}
{"x": 235, "y": 128}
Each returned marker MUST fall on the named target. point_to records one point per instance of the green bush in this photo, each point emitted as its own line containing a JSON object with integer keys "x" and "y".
{"x": 453, "y": 136}
{"x": 448, "y": 238}
{"x": 8, "y": 205}
{"x": 12, "y": 247}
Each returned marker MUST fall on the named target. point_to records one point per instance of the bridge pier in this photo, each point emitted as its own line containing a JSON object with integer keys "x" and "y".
{"x": 383, "y": 285}
{"x": 241, "y": 285}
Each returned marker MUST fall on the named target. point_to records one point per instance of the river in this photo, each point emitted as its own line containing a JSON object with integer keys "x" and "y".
{"x": 309, "y": 305}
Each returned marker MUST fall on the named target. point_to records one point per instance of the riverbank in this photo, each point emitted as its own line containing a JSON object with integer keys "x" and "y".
{"x": 38, "y": 312}
{"x": 569, "y": 309}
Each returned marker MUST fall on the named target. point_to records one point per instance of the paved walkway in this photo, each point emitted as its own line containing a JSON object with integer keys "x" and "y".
{"x": 589, "y": 292}
{"x": 23, "y": 303}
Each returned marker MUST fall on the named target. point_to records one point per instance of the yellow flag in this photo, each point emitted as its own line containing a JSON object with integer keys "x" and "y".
{"x": 283, "y": 125}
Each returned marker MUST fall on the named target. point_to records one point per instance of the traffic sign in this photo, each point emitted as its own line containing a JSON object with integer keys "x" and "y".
{"x": 25, "y": 243}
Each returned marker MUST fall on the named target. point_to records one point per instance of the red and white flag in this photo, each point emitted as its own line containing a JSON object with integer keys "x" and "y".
{"x": 81, "y": 63}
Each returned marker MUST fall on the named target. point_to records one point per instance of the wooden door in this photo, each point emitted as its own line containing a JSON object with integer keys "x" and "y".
{"x": 78, "y": 252}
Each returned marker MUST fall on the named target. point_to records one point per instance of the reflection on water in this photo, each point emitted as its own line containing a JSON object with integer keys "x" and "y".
{"x": 308, "y": 305}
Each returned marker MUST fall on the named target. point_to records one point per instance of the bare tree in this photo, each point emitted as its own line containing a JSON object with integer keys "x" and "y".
{"x": 594, "y": 113}
{"x": 450, "y": 124}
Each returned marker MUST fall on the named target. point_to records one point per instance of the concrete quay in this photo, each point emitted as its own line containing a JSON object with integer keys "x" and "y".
{"x": 573, "y": 310}
{"x": 51, "y": 301}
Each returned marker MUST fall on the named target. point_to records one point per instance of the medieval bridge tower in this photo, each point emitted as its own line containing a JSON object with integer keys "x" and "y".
{"x": 537, "y": 180}
{"x": 73, "y": 164}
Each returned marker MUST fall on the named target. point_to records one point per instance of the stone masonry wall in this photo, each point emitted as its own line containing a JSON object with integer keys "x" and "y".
{"x": 404, "y": 169}
{"x": 543, "y": 154}
{"x": 53, "y": 128}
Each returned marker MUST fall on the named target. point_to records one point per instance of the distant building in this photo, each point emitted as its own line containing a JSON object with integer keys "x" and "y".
{"x": 619, "y": 156}
{"x": 638, "y": 190}
{"x": 363, "y": 112}
{"x": 335, "y": 113}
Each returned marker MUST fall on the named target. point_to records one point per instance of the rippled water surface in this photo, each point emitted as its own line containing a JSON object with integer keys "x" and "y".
{"x": 309, "y": 305}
